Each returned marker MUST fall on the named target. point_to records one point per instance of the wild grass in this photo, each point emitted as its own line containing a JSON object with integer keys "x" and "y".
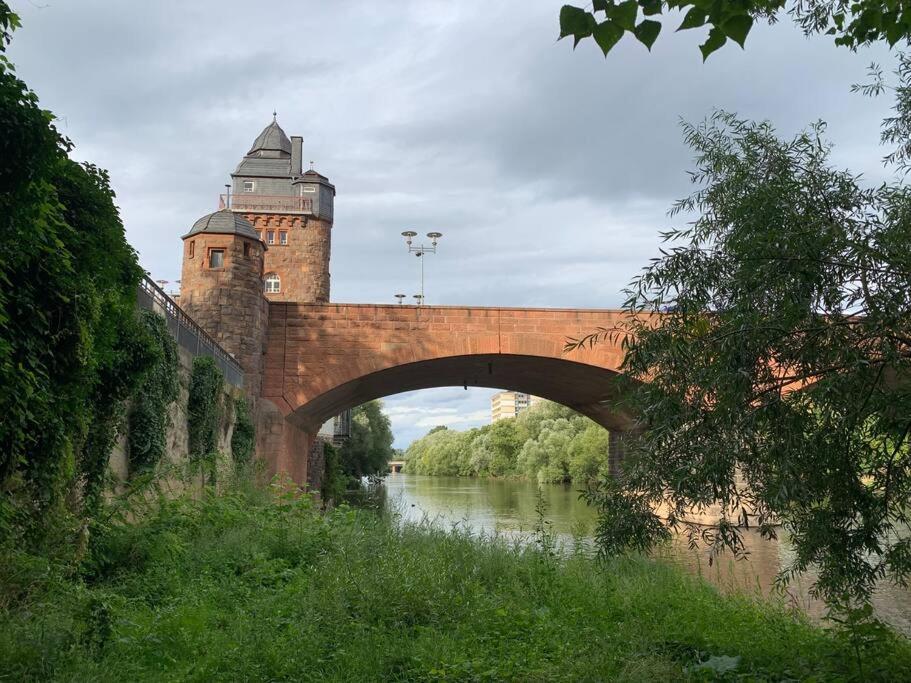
{"x": 253, "y": 586}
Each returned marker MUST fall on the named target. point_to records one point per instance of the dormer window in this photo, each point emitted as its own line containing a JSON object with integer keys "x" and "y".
{"x": 249, "y": 186}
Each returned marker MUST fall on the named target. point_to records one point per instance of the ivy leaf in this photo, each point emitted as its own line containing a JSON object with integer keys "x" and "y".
{"x": 650, "y": 7}
{"x": 737, "y": 27}
{"x": 606, "y": 34}
{"x": 575, "y": 22}
{"x": 715, "y": 40}
{"x": 625, "y": 14}
{"x": 647, "y": 32}
{"x": 600, "y": 5}
{"x": 693, "y": 19}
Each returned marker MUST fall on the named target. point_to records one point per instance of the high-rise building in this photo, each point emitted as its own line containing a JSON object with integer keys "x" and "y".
{"x": 506, "y": 404}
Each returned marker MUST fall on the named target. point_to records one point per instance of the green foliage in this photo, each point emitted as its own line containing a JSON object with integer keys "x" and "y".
{"x": 204, "y": 413}
{"x": 149, "y": 417}
{"x": 335, "y": 481}
{"x": 368, "y": 449}
{"x": 71, "y": 350}
{"x": 243, "y": 438}
{"x": 776, "y": 382}
{"x": 854, "y": 23}
{"x": 549, "y": 443}
{"x": 251, "y": 586}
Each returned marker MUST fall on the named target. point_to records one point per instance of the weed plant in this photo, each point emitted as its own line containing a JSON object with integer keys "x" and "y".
{"x": 254, "y": 585}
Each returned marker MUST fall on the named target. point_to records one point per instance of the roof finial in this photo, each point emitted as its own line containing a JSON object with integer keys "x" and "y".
{"x": 274, "y": 115}
{"x": 311, "y": 165}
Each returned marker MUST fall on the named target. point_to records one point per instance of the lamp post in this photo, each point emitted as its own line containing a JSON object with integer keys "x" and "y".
{"x": 419, "y": 251}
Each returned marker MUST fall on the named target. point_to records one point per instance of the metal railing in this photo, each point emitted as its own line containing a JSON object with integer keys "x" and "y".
{"x": 188, "y": 334}
{"x": 266, "y": 202}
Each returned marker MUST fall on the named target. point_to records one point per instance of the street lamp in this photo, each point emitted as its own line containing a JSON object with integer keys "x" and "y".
{"x": 419, "y": 251}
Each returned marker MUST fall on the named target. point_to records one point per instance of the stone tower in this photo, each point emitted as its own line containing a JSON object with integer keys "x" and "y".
{"x": 221, "y": 288}
{"x": 292, "y": 213}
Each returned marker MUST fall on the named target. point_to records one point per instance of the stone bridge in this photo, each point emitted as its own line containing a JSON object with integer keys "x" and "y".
{"x": 323, "y": 358}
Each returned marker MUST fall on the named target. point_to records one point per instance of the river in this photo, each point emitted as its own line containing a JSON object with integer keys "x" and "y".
{"x": 507, "y": 507}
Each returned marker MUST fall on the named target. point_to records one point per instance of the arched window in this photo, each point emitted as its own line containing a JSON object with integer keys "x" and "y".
{"x": 273, "y": 283}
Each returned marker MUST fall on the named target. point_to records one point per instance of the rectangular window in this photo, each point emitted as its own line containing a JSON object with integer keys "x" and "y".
{"x": 217, "y": 258}
{"x": 270, "y": 237}
{"x": 282, "y": 237}
{"x": 249, "y": 186}
{"x": 192, "y": 248}
{"x": 309, "y": 188}
{"x": 246, "y": 248}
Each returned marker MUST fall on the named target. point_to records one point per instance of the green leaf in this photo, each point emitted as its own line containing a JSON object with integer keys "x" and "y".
{"x": 607, "y": 34}
{"x": 737, "y": 27}
{"x": 693, "y": 19}
{"x": 625, "y": 14}
{"x": 647, "y": 32}
{"x": 575, "y": 22}
{"x": 650, "y": 7}
{"x": 715, "y": 40}
{"x": 600, "y": 5}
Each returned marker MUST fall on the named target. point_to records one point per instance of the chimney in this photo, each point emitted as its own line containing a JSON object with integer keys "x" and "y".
{"x": 297, "y": 153}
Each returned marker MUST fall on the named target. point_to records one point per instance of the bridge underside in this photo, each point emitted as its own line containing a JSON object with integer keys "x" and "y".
{"x": 585, "y": 388}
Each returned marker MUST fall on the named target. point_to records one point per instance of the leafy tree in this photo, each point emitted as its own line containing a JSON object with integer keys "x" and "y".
{"x": 776, "y": 382}
{"x": 851, "y": 22}
{"x": 71, "y": 349}
{"x": 550, "y": 443}
{"x": 368, "y": 449}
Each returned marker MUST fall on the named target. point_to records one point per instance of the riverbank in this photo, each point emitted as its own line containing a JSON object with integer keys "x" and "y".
{"x": 248, "y": 586}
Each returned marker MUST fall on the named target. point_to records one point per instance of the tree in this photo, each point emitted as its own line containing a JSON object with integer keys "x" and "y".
{"x": 851, "y": 22}
{"x": 71, "y": 348}
{"x": 776, "y": 380}
{"x": 368, "y": 449}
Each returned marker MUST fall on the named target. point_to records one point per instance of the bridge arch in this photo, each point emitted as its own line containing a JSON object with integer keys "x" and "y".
{"x": 323, "y": 358}
{"x": 588, "y": 389}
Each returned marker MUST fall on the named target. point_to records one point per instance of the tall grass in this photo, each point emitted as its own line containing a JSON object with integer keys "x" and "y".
{"x": 250, "y": 585}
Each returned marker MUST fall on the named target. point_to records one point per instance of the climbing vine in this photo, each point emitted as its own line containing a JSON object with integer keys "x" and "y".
{"x": 71, "y": 351}
{"x": 149, "y": 416}
{"x": 243, "y": 438}
{"x": 204, "y": 411}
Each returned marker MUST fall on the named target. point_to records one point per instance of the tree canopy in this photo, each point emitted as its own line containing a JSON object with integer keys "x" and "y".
{"x": 547, "y": 443}
{"x": 368, "y": 449}
{"x": 777, "y": 382}
{"x": 851, "y": 22}
{"x": 71, "y": 347}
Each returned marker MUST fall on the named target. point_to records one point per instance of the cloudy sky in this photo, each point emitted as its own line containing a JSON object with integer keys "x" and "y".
{"x": 548, "y": 171}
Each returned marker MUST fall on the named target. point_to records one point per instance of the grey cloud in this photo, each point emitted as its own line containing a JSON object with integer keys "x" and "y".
{"x": 548, "y": 170}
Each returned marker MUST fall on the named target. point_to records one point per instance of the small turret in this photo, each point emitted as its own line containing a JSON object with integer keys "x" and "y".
{"x": 222, "y": 287}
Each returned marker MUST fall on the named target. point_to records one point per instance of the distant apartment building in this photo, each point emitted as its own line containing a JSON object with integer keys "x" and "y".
{"x": 506, "y": 404}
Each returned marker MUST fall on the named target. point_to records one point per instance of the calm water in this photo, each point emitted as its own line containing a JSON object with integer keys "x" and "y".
{"x": 508, "y": 508}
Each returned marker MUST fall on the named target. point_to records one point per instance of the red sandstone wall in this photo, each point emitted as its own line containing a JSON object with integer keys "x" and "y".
{"x": 311, "y": 349}
{"x": 303, "y": 263}
{"x": 227, "y": 302}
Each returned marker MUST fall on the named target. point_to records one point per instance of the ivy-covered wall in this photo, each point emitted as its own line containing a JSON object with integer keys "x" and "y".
{"x": 176, "y": 453}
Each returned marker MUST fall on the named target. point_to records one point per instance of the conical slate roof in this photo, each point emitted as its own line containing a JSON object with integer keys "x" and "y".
{"x": 224, "y": 222}
{"x": 272, "y": 138}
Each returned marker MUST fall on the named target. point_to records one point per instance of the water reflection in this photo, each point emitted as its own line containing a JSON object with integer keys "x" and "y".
{"x": 507, "y": 508}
